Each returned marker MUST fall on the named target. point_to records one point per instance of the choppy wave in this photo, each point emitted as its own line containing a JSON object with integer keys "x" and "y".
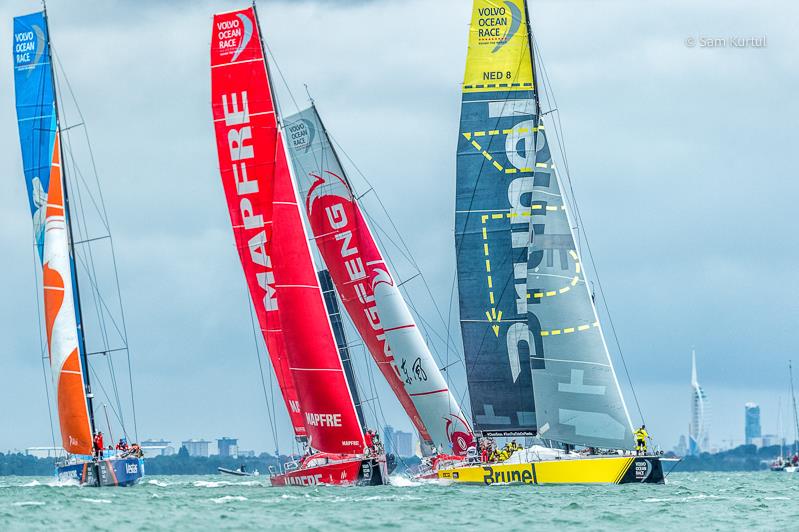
{"x": 28, "y": 503}
{"x": 734, "y": 500}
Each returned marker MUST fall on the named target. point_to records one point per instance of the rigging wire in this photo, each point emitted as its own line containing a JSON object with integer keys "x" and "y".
{"x": 406, "y": 256}
{"x": 103, "y": 215}
{"x": 270, "y": 408}
{"x": 44, "y": 355}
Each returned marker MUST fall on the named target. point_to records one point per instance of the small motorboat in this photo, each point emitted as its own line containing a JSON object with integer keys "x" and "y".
{"x": 240, "y": 472}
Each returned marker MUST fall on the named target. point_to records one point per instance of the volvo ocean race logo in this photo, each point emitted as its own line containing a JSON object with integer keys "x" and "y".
{"x": 29, "y": 48}
{"x": 493, "y": 19}
{"x": 236, "y": 33}
{"x": 301, "y": 135}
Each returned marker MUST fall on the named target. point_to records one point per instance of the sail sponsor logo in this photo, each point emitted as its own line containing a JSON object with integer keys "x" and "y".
{"x": 337, "y": 220}
{"x": 295, "y": 406}
{"x": 234, "y": 35}
{"x": 523, "y": 475}
{"x": 304, "y": 480}
{"x": 28, "y": 47}
{"x": 242, "y": 153}
{"x": 498, "y": 25}
{"x": 323, "y": 420}
{"x": 301, "y": 134}
{"x": 132, "y": 469}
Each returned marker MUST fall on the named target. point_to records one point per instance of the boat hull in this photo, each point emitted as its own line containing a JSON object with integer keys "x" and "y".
{"x": 104, "y": 473}
{"x": 599, "y": 470}
{"x": 356, "y": 472}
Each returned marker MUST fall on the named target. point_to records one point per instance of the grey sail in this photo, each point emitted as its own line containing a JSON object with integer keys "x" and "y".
{"x": 577, "y": 394}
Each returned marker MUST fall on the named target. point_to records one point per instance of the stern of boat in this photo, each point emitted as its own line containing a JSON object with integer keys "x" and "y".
{"x": 104, "y": 473}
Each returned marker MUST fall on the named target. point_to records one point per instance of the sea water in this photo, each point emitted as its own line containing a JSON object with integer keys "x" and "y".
{"x": 689, "y": 501}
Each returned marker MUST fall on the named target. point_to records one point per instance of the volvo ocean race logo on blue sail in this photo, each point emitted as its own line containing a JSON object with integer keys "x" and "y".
{"x": 498, "y": 25}
{"x": 234, "y": 35}
{"x": 28, "y": 48}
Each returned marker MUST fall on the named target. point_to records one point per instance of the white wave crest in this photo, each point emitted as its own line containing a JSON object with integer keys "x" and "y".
{"x": 96, "y": 501}
{"x": 229, "y": 498}
{"x": 402, "y": 481}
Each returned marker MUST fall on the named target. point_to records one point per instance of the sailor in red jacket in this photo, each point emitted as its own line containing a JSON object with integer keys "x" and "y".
{"x": 98, "y": 445}
{"x": 367, "y": 437}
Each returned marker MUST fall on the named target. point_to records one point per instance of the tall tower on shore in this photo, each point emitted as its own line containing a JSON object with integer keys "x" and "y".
{"x": 698, "y": 438}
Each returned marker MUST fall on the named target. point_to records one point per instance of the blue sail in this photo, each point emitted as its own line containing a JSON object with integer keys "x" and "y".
{"x": 37, "y": 121}
{"x": 36, "y": 115}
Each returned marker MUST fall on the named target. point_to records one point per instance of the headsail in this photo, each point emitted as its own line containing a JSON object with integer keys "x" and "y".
{"x": 577, "y": 395}
{"x": 491, "y": 221}
{"x": 41, "y": 158}
{"x": 367, "y": 289}
{"x": 273, "y": 245}
{"x": 510, "y": 210}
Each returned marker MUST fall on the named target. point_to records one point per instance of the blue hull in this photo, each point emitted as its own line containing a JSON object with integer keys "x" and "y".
{"x": 112, "y": 472}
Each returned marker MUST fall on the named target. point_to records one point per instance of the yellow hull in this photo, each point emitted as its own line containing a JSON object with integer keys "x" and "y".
{"x": 598, "y": 470}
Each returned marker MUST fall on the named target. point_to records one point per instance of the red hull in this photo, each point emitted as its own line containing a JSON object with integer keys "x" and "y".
{"x": 336, "y": 470}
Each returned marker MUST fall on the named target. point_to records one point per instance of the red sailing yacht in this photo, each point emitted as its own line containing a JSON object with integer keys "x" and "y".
{"x": 276, "y": 258}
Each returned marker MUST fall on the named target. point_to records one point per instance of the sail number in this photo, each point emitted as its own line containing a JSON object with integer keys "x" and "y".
{"x": 494, "y": 76}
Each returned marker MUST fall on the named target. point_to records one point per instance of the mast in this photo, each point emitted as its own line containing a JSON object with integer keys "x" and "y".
{"x": 532, "y": 63}
{"x": 82, "y": 336}
{"x": 793, "y": 405}
{"x": 272, "y": 92}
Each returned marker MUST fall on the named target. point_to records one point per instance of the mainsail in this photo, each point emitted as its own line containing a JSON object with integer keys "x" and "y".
{"x": 491, "y": 221}
{"x": 41, "y": 160}
{"x": 272, "y": 243}
{"x": 368, "y": 290}
{"x": 536, "y": 358}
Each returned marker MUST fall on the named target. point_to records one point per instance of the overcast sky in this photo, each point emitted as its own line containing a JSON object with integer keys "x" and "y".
{"x": 680, "y": 158}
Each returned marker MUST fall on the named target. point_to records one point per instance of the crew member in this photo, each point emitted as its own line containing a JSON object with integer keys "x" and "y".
{"x": 640, "y": 440}
{"x": 98, "y": 445}
{"x": 369, "y": 441}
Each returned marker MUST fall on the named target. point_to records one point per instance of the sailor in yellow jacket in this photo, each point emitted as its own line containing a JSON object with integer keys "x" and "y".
{"x": 640, "y": 440}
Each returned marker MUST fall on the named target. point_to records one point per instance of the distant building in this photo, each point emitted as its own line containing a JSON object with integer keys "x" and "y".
{"x": 228, "y": 447}
{"x": 751, "y": 423}
{"x": 682, "y": 447}
{"x": 698, "y": 434}
{"x": 403, "y": 443}
{"x": 246, "y": 454}
{"x": 771, "y": 439}
{"x": 46, "y": 452}
{"x": 388, "y": 439}
{"x": 398, "y": 442}
{"x": 197, "y": 447}
{"x": 153, "y": 448}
